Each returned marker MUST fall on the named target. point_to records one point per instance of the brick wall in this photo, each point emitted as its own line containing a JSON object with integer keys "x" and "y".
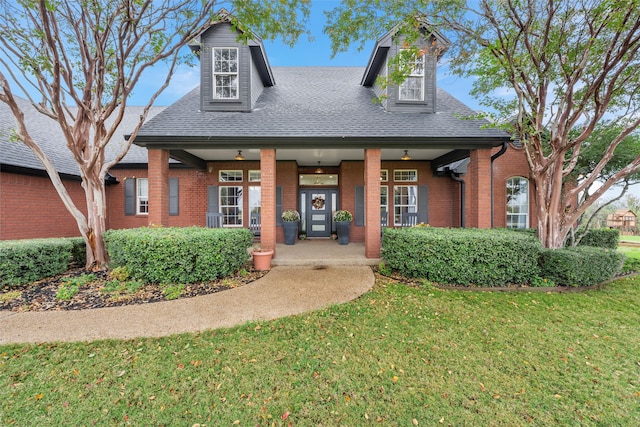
{"x": 31, "y": 208}
{"x": 351, "y": 176}
{"x": 192, "y": 199}
{"x": 512, "y": 163}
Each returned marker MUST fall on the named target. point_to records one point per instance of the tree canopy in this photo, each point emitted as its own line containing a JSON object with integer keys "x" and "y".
{"x": 78, "y": 63}
{"x": 571, "y": 68}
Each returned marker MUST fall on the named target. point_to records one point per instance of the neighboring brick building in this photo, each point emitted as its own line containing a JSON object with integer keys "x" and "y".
{"x": 623, "y": 220}
{"x": 252, "y": 139}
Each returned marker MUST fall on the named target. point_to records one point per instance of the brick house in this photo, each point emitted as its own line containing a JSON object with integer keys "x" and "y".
{"x": 252, "y": 141}
{"x": 623, "y": 220}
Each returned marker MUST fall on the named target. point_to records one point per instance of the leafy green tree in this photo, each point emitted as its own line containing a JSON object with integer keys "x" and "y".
{"x": 568, "y": 65}
{"x": 78, "y": 63}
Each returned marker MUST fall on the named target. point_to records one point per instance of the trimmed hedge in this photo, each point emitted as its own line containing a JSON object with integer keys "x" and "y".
{"x": 462, "y": 256}
{"x": 580, "y": 266}
{"x": 179, "y": 255}
{"x": 26, "y": 261}
{"x": 78, "y": 251}
{"x": 606, "y": 238}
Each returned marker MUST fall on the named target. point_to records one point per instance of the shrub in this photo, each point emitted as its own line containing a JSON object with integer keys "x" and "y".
{"x": 580, "y": 266}
{"x": 25, "y": 261}
{"x": 78, "y": 251}
{"x": 290, "y": 216}
{"x": 342, "y": 216}
{"x": 606, "y": 238}
{"x": 179, "y": 255}
{"x": 631, "y": 263}
{"x": 462, "y": 256}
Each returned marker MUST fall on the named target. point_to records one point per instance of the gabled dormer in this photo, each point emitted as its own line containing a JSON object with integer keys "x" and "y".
{"x": 418, "y": 92}
{"x": 233, "y": 73}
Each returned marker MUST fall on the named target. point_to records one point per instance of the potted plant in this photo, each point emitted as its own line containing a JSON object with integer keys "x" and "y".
{"x": 261, "y": 258}
{"x": 302, "y": 235}
{"x": 343, "y": 220}
{"x": 290, "y": 220}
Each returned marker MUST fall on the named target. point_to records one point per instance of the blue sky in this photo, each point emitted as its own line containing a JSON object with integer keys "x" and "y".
{"x": 316, "y": 52}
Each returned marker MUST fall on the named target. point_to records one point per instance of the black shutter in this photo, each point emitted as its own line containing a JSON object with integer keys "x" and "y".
{"x": 279, "y": 206}
{"x": 130, "y": 196}
{"x": 173, "y": 196}
{"x": 423, "y": 204}
{"x": 359, "y": 213}
{"x": 212, "y": 194}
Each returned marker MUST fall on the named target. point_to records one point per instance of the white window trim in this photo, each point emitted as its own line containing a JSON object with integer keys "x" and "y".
{"x": 396, "y": 179}
{"x": 240, "y": 206}
{"x": 257, "y": 191}
{"x": 519, "y": 214}
{"x": 140, "y": 199}
{"x": 230, "y": 172}
{"x": 398, "y": 222}
{"x": 221, "y": 73}
{"x": 414, "y": 74}
{"x": 384, "y": 175}
{"x": 385, "y": 206}
{"x": 255, "y": 176}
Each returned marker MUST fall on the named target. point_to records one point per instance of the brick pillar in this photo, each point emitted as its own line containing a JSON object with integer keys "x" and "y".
{"x": 268, "y": 198}
{"x": 479, "y": 189}
{"x": 158, "y": 187}
{"x": 372, "y": 202}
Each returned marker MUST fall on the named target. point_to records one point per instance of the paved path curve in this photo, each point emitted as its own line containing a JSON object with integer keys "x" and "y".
{"x": 284, "y": 291}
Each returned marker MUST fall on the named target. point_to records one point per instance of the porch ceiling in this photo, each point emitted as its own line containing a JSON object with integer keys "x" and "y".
{"x": 311, "y": 157}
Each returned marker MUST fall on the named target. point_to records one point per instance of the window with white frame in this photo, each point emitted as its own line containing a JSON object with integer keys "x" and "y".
{"x": 231, "y": 205}
{"x": 225, "y": 73}
{"x": 255, "y": 176}
{"x": 405, "y": 200}
{"x": 255, "y": 193}
{"x": 412, "y": 88}
{"x": 142, "y": 196}
{"x": 517, "y": 202}
{"x": 230, "y": 176}
{"x": 384, "y": 200}
{"x": 384, "y": 175}
{"x": 405, "y": 175}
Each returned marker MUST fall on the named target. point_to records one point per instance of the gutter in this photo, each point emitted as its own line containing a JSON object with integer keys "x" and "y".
{"x": 495, "y": 156}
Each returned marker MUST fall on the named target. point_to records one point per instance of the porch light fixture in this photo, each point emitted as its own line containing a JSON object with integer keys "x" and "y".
{"x": 239, "y": 156}
{"x": 319, "y": 169}
{"x": 405, "y": 156}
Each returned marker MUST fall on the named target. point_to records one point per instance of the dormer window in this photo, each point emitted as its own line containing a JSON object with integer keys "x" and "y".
{"x": 225, "y": 73}
{"x": 412, "y": 89}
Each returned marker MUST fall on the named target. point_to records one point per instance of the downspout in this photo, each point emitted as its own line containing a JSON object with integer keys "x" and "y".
{"x": 495, "y": 156}
{"x": 463, "y": 197}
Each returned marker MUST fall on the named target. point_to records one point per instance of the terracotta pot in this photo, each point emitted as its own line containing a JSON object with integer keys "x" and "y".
{"x": 262, "y": 260}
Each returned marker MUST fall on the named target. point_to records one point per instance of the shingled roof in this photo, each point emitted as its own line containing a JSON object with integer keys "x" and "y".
{"x": 316, "y": 106}
{"x": 15, "y": 156}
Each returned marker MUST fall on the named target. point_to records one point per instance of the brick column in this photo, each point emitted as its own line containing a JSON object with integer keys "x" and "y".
{"x": 268, "y": 198}
{"x": 479, "y": 189}
{"x": 372, "y": 202}
{"x": 158, "y": 187}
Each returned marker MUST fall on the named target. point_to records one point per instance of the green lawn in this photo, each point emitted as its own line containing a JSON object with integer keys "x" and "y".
{"x": 397, "y": 356}
{"x": 630, "y": 238}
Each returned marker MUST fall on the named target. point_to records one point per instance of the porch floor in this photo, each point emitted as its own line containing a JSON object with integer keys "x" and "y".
{"x": 321, "y": 252}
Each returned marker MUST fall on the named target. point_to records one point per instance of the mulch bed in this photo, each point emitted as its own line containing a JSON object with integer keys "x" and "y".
{"x": 41, "y": 295}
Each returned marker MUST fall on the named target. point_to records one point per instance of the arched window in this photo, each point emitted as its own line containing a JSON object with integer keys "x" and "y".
{"x": 517, "y": 202}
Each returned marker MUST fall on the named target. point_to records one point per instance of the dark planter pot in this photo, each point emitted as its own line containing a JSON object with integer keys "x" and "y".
{"x": 290, "y": 232}
{"x": 343, "y": 228}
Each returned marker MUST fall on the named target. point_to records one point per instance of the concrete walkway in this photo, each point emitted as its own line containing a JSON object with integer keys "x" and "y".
{"x": 284, "y": 291}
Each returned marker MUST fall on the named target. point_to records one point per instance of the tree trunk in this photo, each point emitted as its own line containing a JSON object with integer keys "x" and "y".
{"x": 550, "y": 206}
{"x": 95, "y": 191}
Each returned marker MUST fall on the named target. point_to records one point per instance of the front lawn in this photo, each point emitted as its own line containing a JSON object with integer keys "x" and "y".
{"x": 399, "y": 355}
